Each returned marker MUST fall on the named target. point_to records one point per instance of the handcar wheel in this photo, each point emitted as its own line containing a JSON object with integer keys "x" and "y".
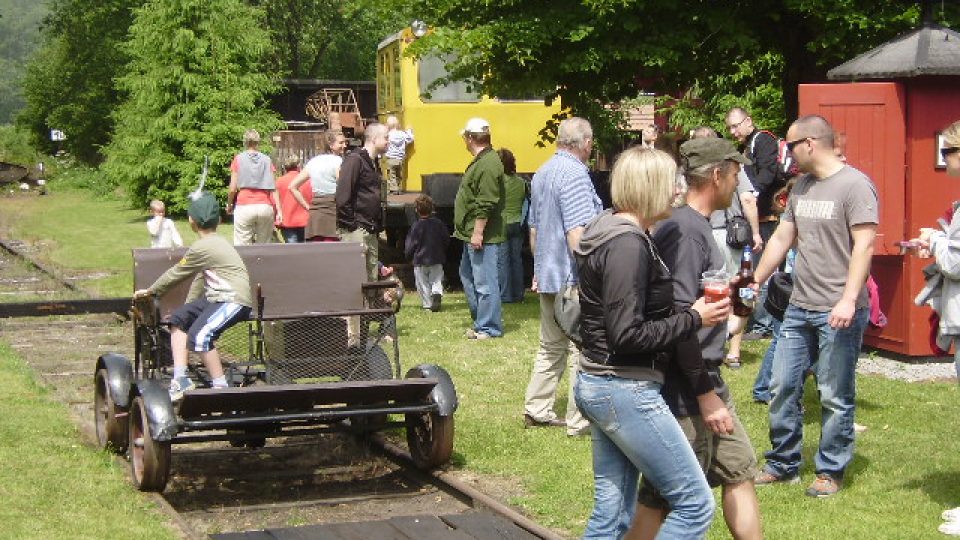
{"x": 149, "y": 459}
{"x": 108, "y": 418}
{"x": 430, "y": 439}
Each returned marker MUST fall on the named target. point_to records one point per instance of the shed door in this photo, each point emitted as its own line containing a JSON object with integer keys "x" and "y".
{"x": 871, "y": 118}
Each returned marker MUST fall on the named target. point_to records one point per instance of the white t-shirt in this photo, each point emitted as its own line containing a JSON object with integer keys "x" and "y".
{"x": 163, "y": 233}
{"x": 323, "y": 173}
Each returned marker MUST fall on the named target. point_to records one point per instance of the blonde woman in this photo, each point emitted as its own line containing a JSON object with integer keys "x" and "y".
{"x": 942, "y": 245}
{"x": 630, "y": 329}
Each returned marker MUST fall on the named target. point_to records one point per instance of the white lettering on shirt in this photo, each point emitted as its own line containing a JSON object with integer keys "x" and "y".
{"x": 807, "y": 208}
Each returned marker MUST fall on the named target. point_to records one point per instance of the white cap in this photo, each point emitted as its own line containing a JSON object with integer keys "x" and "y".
{"x": 476, "y": 125}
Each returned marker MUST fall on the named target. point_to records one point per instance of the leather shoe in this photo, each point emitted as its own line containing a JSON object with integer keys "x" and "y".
{"x": 529, "y": 422}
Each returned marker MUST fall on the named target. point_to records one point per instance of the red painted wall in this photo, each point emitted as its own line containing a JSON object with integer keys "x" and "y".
{"x": 890, "y": 130}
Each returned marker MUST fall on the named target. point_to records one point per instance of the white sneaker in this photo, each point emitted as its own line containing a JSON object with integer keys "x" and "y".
{"x": 952, "y": 514}
{"x": 950, "y": 528}
{"x": 178, "y": 386}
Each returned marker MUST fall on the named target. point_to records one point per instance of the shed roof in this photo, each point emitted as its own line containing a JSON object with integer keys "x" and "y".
{"x": 929, "y": 50}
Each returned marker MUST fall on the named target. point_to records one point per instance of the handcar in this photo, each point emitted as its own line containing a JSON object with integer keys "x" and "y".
{"x": 320, "y": 353}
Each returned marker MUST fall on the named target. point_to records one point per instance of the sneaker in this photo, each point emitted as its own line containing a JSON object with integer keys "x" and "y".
{"x": 950, "y": 528}
{"x": 178, "y": 386}
{"x": 435, "y": 302}
{"x": 824, "y": 486}
{"x": 479, "y": 335}
{"x": 859, "y": 428}
{"x": 766, "y": 478}
{"x": 952, "y": 514}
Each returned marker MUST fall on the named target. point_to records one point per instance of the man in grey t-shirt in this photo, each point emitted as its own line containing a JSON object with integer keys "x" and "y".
{"x": 832, "y": 215}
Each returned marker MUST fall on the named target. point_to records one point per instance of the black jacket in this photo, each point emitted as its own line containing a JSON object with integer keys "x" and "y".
{"x": 761, "y": 147}
{"x": 427, "y": 242}
{"x": 628, "y": 322}
{"x": 358, "y": 194}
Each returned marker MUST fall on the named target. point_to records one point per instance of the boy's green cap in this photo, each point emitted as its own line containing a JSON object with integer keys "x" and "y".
{"x": 205, "y": 211}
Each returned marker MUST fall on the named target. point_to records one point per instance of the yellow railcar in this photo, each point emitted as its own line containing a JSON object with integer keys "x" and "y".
{"x": 437, "y": 115}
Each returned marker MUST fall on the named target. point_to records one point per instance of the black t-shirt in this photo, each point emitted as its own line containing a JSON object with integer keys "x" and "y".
{"x": 687, "y": 246}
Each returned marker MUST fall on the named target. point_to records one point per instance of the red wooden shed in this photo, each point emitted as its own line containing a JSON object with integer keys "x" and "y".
{"x": 891, "y": 126}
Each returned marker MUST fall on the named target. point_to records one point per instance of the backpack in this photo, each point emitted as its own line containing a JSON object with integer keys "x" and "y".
{"x": 785, "y": 166}
{"x": 739, "y": 233}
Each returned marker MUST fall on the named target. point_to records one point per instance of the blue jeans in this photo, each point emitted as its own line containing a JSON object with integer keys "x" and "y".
{"x": 956, "y": 361}
{"x": 761, "y": 385}
{"x": 292, "y": 235}
{"x": 761, "y": 322}
{"x": 808, "y": 342}
{"x": 634, "y": 432}
{"x": 481, "y": 285}
{"x": 510, "y": 265}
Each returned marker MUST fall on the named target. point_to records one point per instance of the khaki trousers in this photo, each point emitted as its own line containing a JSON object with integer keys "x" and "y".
{"x": 252, "y": 224}
{"x": 556, "y": 353}
{"x": 371, "y": 248}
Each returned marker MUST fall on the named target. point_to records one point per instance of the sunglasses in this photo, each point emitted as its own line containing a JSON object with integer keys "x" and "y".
{"x": 793, "y": 144}
{"x": 944, "y": 152}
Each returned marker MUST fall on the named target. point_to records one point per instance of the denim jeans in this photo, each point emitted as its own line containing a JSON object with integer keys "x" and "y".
{"x": 956, "y": 361}
{"x": 510, "y": 265}
{"x": 761, "y": 320}
{"x": 481, "y": 285}
{"x": 761, "y": 385}
{"x": 292, "y": 235}
{"x": 808, "y": 342}
{"x": 634, "y": 432}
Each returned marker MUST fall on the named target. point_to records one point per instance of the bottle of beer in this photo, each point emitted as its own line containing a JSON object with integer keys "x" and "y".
{"x": 743, "y": 296}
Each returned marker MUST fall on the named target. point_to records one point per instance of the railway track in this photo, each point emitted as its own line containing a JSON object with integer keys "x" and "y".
{"x": 216, "y": 489}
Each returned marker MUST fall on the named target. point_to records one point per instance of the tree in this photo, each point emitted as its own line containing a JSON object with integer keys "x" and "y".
{"x": 707, "y": 54}
{"x": 330, "y": 39}
{"x": 69, "y": 82}
{"x": 196, "y": 80}
{"x": 19, "y": 37}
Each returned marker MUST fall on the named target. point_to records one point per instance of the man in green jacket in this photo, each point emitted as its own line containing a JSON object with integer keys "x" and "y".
{"x": 478, "y": 223}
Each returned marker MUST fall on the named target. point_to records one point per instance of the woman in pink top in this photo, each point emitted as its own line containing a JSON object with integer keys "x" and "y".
{"x": 252, "y": 197}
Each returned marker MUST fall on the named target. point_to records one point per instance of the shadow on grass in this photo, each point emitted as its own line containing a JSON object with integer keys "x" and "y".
{"x": 940, "y": 486}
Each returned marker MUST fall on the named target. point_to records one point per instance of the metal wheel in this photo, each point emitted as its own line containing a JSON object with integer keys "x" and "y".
{"x": 430, "y": 439}
{"x": 149, "y": 459}
{"x": 109, "y": 419}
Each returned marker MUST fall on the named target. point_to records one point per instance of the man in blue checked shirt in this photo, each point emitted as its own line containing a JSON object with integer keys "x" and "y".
{"x": 563, "y": 200}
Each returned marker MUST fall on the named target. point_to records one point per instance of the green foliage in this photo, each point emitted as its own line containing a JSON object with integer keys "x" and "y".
{"x": 15, "y": 147}
{"x": 69, "y": 83}
{"x": 19, "y": 37}
{"x": 196, "y": 80}
{"x": 708, "y": 100}
{"x": 705, "y": 55}
{"x": 329, "y": 39}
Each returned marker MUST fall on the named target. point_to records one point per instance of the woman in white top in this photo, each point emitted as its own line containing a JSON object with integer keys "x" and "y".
{"x": 322, "y": 171}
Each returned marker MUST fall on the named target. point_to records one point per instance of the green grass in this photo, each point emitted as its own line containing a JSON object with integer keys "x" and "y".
{"x": 85, "y": 235}
{"x": 906, "y": 468}
{"x": 52, "y": 484}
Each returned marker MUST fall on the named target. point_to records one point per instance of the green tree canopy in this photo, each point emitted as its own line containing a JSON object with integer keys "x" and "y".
{"x": 69, "y": 82}
{"x": 20, "y": 22}
{"x": 196, "y": 80}
{"x": 330, "y": 39}
{"x": 706, "y": 55}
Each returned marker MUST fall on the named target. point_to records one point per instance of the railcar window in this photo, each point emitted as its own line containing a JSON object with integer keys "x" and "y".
{"x": 433, "y": 68}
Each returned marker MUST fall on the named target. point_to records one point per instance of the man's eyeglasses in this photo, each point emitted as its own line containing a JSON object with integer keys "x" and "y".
{"x": 793, "y": 144}
{"x": 733, "y": 127}
{"x": 944, "y": 152}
